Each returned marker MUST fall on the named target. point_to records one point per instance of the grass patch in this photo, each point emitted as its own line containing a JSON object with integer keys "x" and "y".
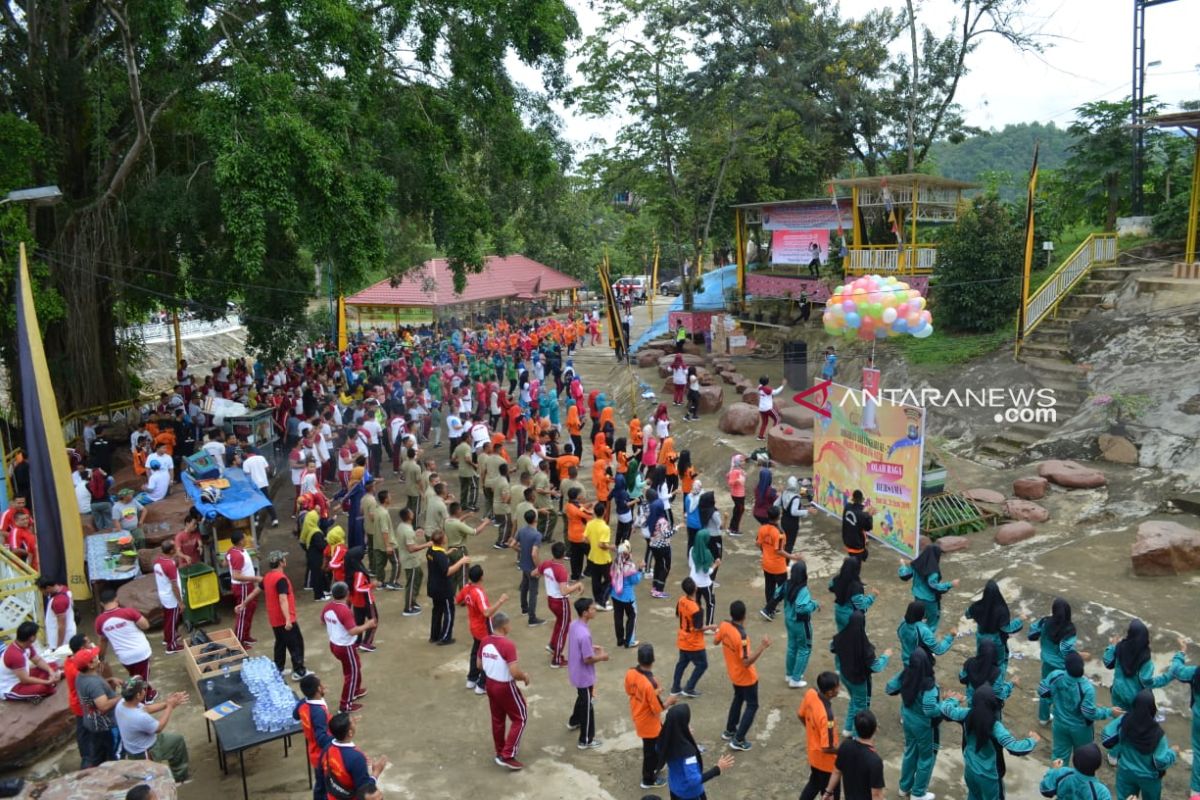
{"x": 944, "y": 349}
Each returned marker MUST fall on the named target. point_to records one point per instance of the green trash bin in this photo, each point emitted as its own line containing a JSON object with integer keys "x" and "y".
{"x": 201, "y": 594}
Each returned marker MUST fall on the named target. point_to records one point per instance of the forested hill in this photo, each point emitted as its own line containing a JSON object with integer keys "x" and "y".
{"x": 1002, "y": 158}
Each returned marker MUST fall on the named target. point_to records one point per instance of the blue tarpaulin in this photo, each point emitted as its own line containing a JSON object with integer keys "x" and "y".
{"x": 716, "y": 283}
{"x": 239, "y": 501}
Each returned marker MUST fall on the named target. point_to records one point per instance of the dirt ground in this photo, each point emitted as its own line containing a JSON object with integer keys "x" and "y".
{"x": 437, "y": 734}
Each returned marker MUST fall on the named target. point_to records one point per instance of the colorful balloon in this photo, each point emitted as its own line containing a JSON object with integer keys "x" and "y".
{"x": 873, "y": 307}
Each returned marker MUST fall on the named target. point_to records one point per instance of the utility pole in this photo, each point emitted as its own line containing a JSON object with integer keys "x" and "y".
{"x": 1136, "y": 193}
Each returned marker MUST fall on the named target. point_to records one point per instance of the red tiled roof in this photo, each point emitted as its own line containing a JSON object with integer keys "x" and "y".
{"x": 432, "y": 284}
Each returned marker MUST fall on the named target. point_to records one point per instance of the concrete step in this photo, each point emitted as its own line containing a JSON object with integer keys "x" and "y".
{"x": 1056, "y": 336}
{"x": 1088, "y": 299}
{"x": 1045, "y": 349}
{"x": 1040, "y": 429}
{"x": 1073, "y": 312}
{"x": 1017, "y": 438}
{"x": 1100, "y": 285}
{"x": 1113, "y": 273}
{"x": 1001, "y": 449}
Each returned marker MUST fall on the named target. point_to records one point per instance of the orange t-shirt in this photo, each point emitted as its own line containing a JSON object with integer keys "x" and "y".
{"x": 635, "y": 432}
{"x": 645, "y": 706}
{"x": 667, "y": 456}
{"x": 622, "y": 463}
{"x": 606, "y": 416}
{"x": 772, "y": 540}
{"x": 737, "y": 649}
{"x": 691, "y": 624}
{"x": 820, "y": 730}
{"x": 600, "y": 481}
{"x": 687, "y": 479}
{"x": 574, "y": 426}
{"x": 565, "y": 462}
{"x": 577, "y": 518}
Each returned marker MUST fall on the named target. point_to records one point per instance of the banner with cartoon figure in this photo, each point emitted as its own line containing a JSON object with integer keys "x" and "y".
{"x": 884, "y": 460}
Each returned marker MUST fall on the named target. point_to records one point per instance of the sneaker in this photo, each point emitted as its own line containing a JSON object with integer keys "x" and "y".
{"x": 604, "y": 607}
{"x": 350, "y": 709}
{"x": 675, "y": 692}
{"x": 692, "y": 693}
{"x": 728, "y": 735}
{"x": 800, "y": 684}
{"x": 274, "y": 523}
{"x": 926, "y": 796}
{"x": 556, "y": 665}
{"x": 632, "y": 644}
{"x": 299, "y": 674}
{"x": 325, "y": 598}
{"x": 659, "y": 781}
{"x": 412, "y": 612}
{"x": 173, "y": 650}
{"x": 592, "y": 745}
{"x": 533, "y": 623}
{"x": 445, "y": 642}
{"x": 251, "y": 640}
{"x": 471, "y": 684}
{"x": 480, "y": 690}
{"x": 366, "y": 648}
{"x": 499, "y": 546}
{"x": 572, "y": 726}
{"x": 767, "y": 615}
{"x": 510, "y": 763}
{"x": 417, "y": 606}
{"x": 735, "y": 533}
{"x": 361, "y": 695}
{"x": 549, "y": 649}
{"x": 740, "y": 744}
{"x": 392, "y": 587}
{"x": 716, "y": 585}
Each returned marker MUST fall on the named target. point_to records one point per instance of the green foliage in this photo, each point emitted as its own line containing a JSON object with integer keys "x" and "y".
{"x": 980, "y": 260}
{"x": 943, "y": 349}
{"x": 1001, "y": 159}
{"x": 1171, "y": 221}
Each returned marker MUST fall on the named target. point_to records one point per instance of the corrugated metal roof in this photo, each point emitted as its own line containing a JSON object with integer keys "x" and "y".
{"x": 432, "y": 283}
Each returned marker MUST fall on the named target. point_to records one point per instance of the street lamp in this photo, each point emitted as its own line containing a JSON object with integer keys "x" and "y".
{"x": 37, "y": 196}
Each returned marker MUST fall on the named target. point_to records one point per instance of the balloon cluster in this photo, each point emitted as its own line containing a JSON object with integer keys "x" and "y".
{"x": 875, "y": 307}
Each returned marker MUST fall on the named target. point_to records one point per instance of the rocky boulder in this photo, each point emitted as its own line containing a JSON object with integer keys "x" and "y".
{"x": 984, "y": 496}
{"x": 649, "y": 357}
{"x": 953, "y": 544}
{"x": 740, "y": 418}
{"x": 1030, "y": 488}
{"x": 1025, "y": 510}
{"x": 711, "y": 399}
{"x": 689, "y": 360}
{"x": 1117, "y": 449}
{"x": 1071, "y": 474}
{"x": 1165, "y": 548}
{"x": 141, "y": 594}
{"x": 1013, "y": 532}
{"x": 798, "y": 416}
{"x": 111, "y": 779}
{"x": 790, "y": 446}
{"x": 31, "y": 729}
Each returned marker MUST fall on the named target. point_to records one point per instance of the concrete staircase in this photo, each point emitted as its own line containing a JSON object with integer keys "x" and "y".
{"x": 1047, "y": 354}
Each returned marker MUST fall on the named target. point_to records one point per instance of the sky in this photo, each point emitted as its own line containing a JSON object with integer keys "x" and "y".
{"x": 1090, "y": 59}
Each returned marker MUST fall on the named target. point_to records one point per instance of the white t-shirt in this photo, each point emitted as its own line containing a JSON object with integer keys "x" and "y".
{"x": 119, "y": 627}
{"x": 83, "y": 498}
{"x": 496, "y": 654}
{"x": 338, "y": 619}
{"x": 158, "y": 483}
{"x": 454, "y": 426}
{"x": 479, "y": 435}
{"x": 166, "y": 572}
{"x": 702, "y": 579}
{"x": 256, "y": 467}
{"x": 662, "y": 429}
{"x": 374, "y": 431}
{"x": 766, "y": 397}
{"x": 679, "y": 376}
{"x": 216, "y": 451}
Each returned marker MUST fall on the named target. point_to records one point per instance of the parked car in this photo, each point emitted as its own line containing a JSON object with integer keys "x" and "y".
{"x": 636, "y": 287}
{"x": 671, "y": 288}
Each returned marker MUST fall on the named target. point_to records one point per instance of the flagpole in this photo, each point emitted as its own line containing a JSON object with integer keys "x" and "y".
{"x": 1029, "y": 220}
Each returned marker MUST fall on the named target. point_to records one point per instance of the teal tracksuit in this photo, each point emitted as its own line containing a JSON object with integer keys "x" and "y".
{"x": 928, "y": 590}
{"x": 920, "y": 754}
{"x": 860, "y": 693}
{"x": 1125, "y": 687}
{"x": 1074, "y": 702}
{"x": 1138, "y": 773}
{"x": 1182, "y": 672}
{"x": 1012, "y": 627}
{"x": 797, "y": 620}
{"x": 1001, "y": 687}
{"x": 841, "y": 613}
{"x": 1067, "y": 784}
{"x": 1053, "y": 656}
{"x": 980, "y": 766}
{"x": 914, "y": 634}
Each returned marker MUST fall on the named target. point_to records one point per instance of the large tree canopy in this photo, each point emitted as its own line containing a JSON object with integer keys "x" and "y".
{"x": 219, "y": 150}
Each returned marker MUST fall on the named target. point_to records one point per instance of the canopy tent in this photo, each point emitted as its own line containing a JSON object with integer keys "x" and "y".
{"x": 242, "y": 499}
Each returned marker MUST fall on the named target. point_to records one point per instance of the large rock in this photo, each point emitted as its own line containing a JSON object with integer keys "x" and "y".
{"x": 141, "y": 593}
{"x": 1071, "y": 474}
{"x": 984, "y": 496}
{"x": 798, "y": 416}
{"x": 740, "y": 418}
{"x": 953, "y": 544}
{"x": 790, "y": 446}
{"x": 711, "y": 399}
{"x": 750, "y": 396}
{"x": 1013, "y": 532}
{"x": 649, "y": 357}
{"x": 1117, "y": 449}
{"x": 1165, "y": 548}
{"x": 1030, "y": 488}
{"x": 111, "y": 779}
{"x": 1025, "y": 510}
{"x": 30, "y": 729}
{"x": 689, "y": 360}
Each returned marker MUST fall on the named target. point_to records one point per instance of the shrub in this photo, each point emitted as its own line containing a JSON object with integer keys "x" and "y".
{"x": 979, "y": 267}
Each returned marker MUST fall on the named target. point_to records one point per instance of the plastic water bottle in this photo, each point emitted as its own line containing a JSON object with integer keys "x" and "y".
{"x": 225, "y": 671}
{"x": 208, "y": 685}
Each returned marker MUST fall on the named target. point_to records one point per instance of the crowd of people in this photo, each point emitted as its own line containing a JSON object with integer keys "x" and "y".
{"x": 518, "y": 425}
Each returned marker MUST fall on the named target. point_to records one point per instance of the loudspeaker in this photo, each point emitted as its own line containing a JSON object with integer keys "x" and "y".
{"x": 795, "y": 364}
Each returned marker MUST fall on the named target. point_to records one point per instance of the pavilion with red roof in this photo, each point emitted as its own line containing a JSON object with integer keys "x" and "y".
{"x": 426, "y": 293}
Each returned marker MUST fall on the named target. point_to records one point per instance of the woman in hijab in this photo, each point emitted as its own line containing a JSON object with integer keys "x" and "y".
{"x": 736, "y": 480}
{"x": 985, "y": 739}
{"x": 854, "y": 657}
{"x": 679, "y": 753}
{"x": 625, "y": 576}
{"x": 1056, "y": 633}
{"x": 662, "y": 422}
{"x": 798, "y": 608}
{"x": 1129, "y": 659}
{"x": 1143, "y": 754}
{"x": 849, "y": 594}
{"x": 335, "y": 554}
{"x": 702, "y": 564}
{"x": 621, "y": 502}
{"x": 1073, "y": 699}
{"x": 995, "y": 622}
{"x": 362, "y": 596}
{"x": 1066, "y": 783}
{"x": 658, "y": 522}
{"x": 710, "y": 518}
{"x": 764, "y": 496}
{"x": 679, "y": 379}
{"x": 915, "y": 635}
{"x": 649, "y": 451}
{"x": 927, "y": 583}
{"x": 920, "y": 711}
{"x": 668, "y": 459}
{"x": 792, "y": 504}
{"x": 1190, "y": 675}
{"x": 691, "y": 512}
{"x": 983, "y": 669}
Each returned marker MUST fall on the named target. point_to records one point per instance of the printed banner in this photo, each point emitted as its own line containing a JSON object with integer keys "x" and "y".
{"x": 391, "y": 316}
{"x": 799, "y": 247}
{"x": 877, "y": 446}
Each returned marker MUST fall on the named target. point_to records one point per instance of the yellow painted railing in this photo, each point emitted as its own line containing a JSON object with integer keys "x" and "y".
{"x": 1097, "y": 249}
{"x": 889, "y": 259}
{"x": 18, "y": 594}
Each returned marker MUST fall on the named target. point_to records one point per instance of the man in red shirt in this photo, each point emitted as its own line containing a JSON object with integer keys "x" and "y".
{"x": 10, "y": 514}
{"x": 343, "y": 633}
{"x": 188, "y": 542}
{"x": 497, "y": 661}
{"x": 281, "y": 613}
{"x": 20, "y": 539}
{"x": 124, "y": 629}
{"x": 479, "y": 619}
{"x": 244, "y": 578}
{"x": 170, "y": 595}
{"x": 558, "y": 590}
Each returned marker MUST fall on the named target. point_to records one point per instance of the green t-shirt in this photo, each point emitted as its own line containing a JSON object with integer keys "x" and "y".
{"x": 524, "y": 466}
{"x": 566, "y": 486}
{"x": 500, "y": 487}
{"x": 462, "y": 454}
{"x": 541, "y": 481}
{"x": 457, "y": 533}
{"x": 406, "y": 535}
{"x": 410, "y": 474}
{"x": 519, "y": 512}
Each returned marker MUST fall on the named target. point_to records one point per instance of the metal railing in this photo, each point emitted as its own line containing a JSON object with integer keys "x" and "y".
{"x": 18, "y": 594}
{"x": 883, "y": 259}
{"x": 158, "y": 332}
{"x": 1098, "y": 248}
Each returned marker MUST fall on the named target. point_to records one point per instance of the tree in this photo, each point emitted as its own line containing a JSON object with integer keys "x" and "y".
{"x": 213, "y": 151}
{"x": 980, "y": 262}
{"x": 1099, "y": 161}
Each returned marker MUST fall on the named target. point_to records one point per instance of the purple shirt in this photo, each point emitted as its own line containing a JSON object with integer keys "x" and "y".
{"x": 579, "y": 647}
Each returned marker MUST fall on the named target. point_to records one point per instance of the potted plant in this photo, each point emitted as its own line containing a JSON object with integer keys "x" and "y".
{"x": 1120, "y": 409}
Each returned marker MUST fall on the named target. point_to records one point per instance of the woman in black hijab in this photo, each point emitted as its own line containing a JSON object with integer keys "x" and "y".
{"x": 678, "y": 752}
{"x": 854, "y": 656}
{"x": 1056, "y": 633}
{"x": 849, "y": 594}
{"x": 1143, "y": 754}
{"x": 711, "y": 518}
{"x": 985, "y": 740}
{"x": 925, "y": 571}
{"x": 920, "y": 711}
{"x": 1129, "y": 659}
{"x": 983, "y": 669}
{"x": 995, "y": 622}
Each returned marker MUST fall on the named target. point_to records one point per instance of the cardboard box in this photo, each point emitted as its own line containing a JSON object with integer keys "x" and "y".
{"x": 198, "y": 672}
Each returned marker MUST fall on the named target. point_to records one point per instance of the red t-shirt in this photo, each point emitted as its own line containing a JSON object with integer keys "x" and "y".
{"x": 475, "y": 599}
{"x": 362, "y": 596}
{"x": 70, "y": 673}
{"x": 274, "y": 585}
{"x": 22, "y": 539}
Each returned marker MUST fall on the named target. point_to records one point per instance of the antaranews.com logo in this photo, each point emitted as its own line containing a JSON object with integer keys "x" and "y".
{"x": 1009, "y": 405}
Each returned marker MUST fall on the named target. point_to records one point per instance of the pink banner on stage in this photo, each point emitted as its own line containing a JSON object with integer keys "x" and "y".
{"x": 799, "y": 247}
